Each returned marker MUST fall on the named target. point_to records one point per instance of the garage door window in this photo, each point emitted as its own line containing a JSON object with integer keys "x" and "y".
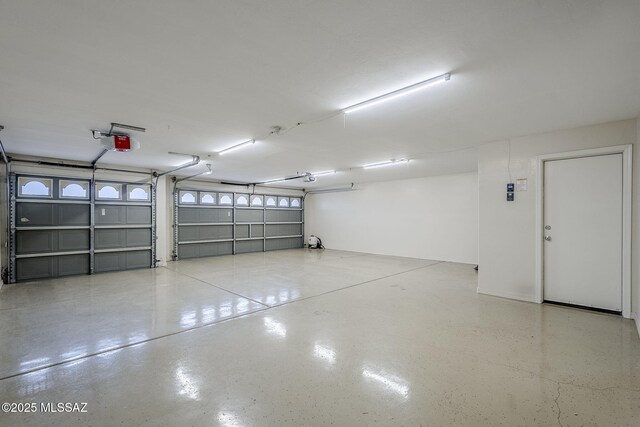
{"x": 74, "y": 189}
{"x": 34, "y": 187}
{"x": 138, "y": 193}
{"x": 225, "y": 199}
{"x": 271, "y": 201}
{"x": 109, "y": 191}
{"x": 187, "y": 197}
{"x": 208, "y": 198}
{"x": 256, "y": 201}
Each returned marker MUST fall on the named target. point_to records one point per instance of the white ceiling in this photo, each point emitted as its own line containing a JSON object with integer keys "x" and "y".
{"x": 202, "y": 75}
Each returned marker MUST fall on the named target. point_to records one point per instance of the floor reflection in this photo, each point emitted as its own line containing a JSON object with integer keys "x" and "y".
{"x": 390, "y": 382}
{"x": 275, "y": 328}
{"x": 186, "y": 385}
{"x": 324, "y": 353}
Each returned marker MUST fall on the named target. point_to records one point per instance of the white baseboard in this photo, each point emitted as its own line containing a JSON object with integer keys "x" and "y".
{"x": 510, "y": 295}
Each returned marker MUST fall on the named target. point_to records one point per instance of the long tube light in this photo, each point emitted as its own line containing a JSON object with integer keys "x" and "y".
{"x": 396, "y": 93}
{"x": 322, "y": 173}
{"x": 236, "y": 147}
{"x": 124, "y": 126}
{"x": 383, "y": 164}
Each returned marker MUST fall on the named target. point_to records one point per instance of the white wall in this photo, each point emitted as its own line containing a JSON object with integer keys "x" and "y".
{"x": 429, "y": 218}
{"x": 507, "y": 237}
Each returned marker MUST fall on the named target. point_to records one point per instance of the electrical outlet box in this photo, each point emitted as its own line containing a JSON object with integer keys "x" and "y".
{"x": 510, "y": 197}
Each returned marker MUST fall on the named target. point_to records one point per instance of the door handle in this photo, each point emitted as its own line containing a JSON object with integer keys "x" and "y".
{"x": 547, "y": 238}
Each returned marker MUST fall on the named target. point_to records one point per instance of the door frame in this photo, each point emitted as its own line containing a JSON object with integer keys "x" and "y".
{"x": 627, "y": 174}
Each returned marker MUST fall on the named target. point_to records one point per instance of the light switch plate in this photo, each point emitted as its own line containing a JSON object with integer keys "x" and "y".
{"x": 521, "y": 184}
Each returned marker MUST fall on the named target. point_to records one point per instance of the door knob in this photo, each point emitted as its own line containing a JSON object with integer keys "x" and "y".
{"x": 547, "y": 238}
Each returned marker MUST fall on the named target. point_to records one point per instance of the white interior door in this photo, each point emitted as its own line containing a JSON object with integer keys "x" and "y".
{"x": 583, "y": 231}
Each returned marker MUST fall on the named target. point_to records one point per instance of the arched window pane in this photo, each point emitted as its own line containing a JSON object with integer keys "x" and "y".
{"x": 108, "y": 191}
{"x": 225, "y": 199}
{"x": 34, "y": 187}
{"x": 284, "y": 202}
{"x": 242, "y": 200}
{"x": 187, "y": 197}
{"x": 207, "y": 199}
{"x": 256, "y": 201}
{"x": 295, "y": 203}
{"x": 138, "y": 193}
{"x": 75, "y": 189}
{"x": 271, "y": 201}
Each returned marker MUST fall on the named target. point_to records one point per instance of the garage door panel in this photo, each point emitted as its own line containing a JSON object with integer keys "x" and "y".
{"x": 249, "y": 246}
{"x": 71, "y": 265}
{"x": 286, "y": 243}
{"x": 51, "y": 215}
{"x": 112, "y": 238}
{"x": 136, "y": 237}
{"x": 110, "y": 215}
{"x": 188, "y": 215}
{"x": 249, "y": 215}
{"x": 108, "y": 238}
{"x": 68, "y": 214}
{"x": 257, "y": 230}
{"x": 43, "y": 241}
{"x": 204, "y": 232}
{"x": 215, "y": 215}
{"x": 204, "y": 215}
{"x": 242, "y": 231}
{"x": 34, "y": 241}
{"x": 197, "y": 250}
{"x": 138, "y": 215}
{"x": 137, "y": 259}
{"x": 50, "y": 267}
{"x": 284, "y": 230}
{"x": 281, "y": 215}
{"x": 34, "y": 268}
{"x": 73, "y": 240}
{"x": 119, "y": 261}
{"x": 109, "y": 261}
{"x": 35, "y": 214}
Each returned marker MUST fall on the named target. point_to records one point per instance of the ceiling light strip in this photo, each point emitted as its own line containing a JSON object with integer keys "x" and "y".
{"x": 322, "y": 173}
{"x": 397, "y": 93}
{"x": 383, "y": 164}
{"x": 237, "y": 146}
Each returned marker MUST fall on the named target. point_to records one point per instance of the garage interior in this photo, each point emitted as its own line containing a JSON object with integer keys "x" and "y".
{"x": 275, "y": 213}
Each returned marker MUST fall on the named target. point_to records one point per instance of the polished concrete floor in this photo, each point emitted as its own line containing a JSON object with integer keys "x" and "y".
{"x": 303, "y": 337}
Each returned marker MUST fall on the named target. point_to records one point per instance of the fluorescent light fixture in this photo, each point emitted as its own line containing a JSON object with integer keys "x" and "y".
{"x": 396, "y": 93}
{"x": 322, "y": 173}
{"x": 237, "y": 146}
{"x": 383, "y": 164}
